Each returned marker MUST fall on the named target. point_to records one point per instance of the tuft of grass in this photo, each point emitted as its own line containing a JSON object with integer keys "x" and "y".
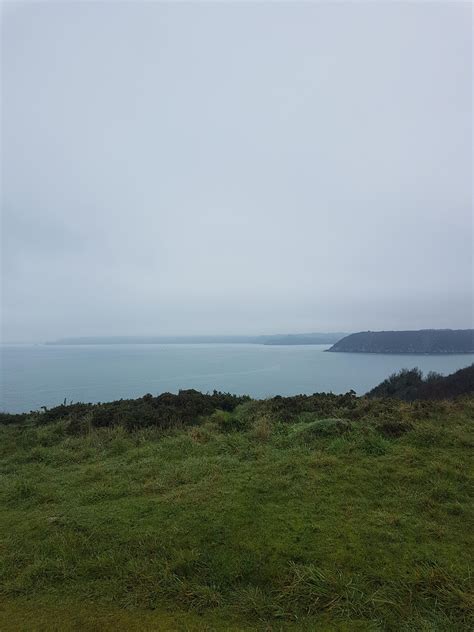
{"x": 262, "y": 428}
{"x": 308, "y": 429}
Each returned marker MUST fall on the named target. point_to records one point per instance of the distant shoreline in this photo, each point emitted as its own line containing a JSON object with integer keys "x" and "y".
{"x": 410, "y": 342}
{"x": 275, "y": 339}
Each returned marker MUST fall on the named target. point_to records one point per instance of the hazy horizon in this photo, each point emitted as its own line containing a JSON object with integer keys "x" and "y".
{"x": 235, "y": 168}
{"x": 260, "y": 334}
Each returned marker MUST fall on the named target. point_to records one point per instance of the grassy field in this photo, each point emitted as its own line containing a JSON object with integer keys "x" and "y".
{"x": 245, "y": 520}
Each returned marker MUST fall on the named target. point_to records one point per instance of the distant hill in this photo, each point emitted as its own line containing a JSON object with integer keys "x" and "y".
{"x": 277, "y": 339}
{"x": 137, "y": 340}
{"x": 410, "y": 385}
{"x": 422, "y": 341}
{"x": 302, "y": 339}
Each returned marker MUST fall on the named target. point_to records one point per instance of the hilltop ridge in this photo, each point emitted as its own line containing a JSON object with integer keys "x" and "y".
{"x": 421, "y": 341}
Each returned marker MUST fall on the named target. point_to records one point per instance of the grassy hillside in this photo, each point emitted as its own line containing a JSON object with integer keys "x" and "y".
{"x": 307, "y": 513}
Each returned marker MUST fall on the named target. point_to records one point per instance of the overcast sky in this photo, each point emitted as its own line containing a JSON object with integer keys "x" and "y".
{"x": 235, "y": 168}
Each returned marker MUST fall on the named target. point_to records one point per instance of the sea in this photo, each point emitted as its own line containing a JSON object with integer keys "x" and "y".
{"x": 32, "y": 376}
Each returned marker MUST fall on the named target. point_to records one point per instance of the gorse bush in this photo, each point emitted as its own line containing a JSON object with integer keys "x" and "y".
{"x": 164, "y": 411}
{"x": 410, "y": 385}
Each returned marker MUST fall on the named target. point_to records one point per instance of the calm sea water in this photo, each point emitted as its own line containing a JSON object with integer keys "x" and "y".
{"x": 40, "y": 375}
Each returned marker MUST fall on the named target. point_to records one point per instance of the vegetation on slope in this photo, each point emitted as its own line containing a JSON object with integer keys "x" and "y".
{"x": 165, "y": 411}
{"x": 318, "y": 512}
{"x": 410, "y": 385}
{"x": 422, "y": 341}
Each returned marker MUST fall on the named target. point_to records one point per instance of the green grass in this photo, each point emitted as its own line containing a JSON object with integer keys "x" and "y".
{"x": 241, "y": 522}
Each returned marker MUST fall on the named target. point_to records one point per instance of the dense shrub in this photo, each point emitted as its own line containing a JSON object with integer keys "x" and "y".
{"x": 288, "y": 409}
{"x": 11, "y": 418}
{"x": 165, "y": 411}
{"x": 409, "y": 385}
{"x": 393, "y": 428}
{"x": 404, "y": 385}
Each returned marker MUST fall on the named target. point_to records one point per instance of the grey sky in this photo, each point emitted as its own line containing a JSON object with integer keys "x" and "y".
{"x": 235, "y": 168}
